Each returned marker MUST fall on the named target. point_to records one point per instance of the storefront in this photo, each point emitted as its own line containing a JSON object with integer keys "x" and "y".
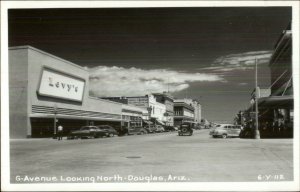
{"x": 132, "y": 116}
{"x": 275, "y": 117}
{"x": 276, "y": 108}
{"x": 46, "y": 91}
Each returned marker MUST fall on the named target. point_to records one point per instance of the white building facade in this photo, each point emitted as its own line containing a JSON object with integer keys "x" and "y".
{"x": 155, "y": 110}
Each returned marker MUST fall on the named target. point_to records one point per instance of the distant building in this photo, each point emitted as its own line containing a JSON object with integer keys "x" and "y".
{"x": 155, "y": 110}
{"x": 122, "y": 100}
{"x": 168, "y": 101}
{"x": 197, "y": 111}
{"x": 183, "y": 111}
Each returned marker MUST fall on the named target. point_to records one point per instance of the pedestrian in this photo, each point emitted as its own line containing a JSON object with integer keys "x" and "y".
{"x": 281, "y": 128}
{"x": 60, "y": 132}
{"x": 275, "y": 128}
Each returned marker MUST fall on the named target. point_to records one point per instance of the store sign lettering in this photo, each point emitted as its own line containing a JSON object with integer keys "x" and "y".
{"x": 58, "y": 84}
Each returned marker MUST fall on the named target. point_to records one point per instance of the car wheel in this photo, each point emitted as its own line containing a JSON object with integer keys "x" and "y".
{"x": 110, "y": 135}
{"x": 224, "y": 136}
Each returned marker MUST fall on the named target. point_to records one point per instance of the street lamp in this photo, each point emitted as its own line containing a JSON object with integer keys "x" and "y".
{"x": 55, "y": 112}
{"x": 149, "y": 109}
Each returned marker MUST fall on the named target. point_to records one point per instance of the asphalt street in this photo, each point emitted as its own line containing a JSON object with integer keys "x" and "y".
{"x": 153, "y": 157}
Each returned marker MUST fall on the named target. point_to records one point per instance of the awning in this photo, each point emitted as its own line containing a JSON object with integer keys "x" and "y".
{"x": 286, "y": 101}
{"x": 274, "y": 102}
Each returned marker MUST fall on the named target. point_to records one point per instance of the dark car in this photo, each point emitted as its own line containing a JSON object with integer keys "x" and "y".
{"x": 87, "y": 132}
{"x": 109, "y": 129}
{"x": 122, "y": 130}
{"x": 169, "y": 128}
{"x": 197, "y": 126}
{"x": 185, "y": 129}
{"x": 137, "y": 131}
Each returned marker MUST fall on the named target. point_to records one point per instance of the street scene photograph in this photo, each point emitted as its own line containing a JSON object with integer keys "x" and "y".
{"x": 152, "y": 95}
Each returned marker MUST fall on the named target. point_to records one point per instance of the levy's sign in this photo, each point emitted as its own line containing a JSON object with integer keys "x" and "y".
{"x": 59, "y": 85}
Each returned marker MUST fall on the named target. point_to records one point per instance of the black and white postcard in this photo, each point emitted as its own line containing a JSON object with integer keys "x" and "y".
{"x": 150, "y": 96}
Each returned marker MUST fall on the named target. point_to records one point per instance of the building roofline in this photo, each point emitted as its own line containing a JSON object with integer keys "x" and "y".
{"x": 283, "y": 42}
{"x": 46, "y": 53}
{"x": 104, "y": 100}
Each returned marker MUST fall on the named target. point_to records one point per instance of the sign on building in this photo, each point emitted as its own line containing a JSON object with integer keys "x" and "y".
{"x": 59, "y": 85}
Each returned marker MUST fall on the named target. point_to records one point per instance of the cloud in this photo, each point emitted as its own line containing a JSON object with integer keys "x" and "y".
{"x": 119, "y": 81}
{"x": 240, "y": 61}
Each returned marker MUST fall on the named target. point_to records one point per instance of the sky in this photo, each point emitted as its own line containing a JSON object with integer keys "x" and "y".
{"x": 203, "y": 53}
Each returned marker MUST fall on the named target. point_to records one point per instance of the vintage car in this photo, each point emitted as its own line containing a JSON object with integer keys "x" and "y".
{"x": 185, "y": 128}
{"x": 87, "y": 132}
{"x": 159, "y": 129}
{"x": 137, "y": 131}
{"x": 170, "y": 128}
{"x": 226, "y": 130}
{"x": 150, "y": 128}
{"x": 109, "y": 129}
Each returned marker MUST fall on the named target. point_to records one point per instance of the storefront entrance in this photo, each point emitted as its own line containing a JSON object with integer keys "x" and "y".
{"x": 44, "y": 127}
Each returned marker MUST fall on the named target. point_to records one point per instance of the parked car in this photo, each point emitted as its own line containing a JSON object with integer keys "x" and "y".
{"x": 169, "y": 128}
{"x": 205, "y": 124}
{"x": 87, "y": 132}
{"x": 176, "y": 128}
{"x": 137, "y": 131}
{"x": 122, "y": 130}
{"x": 185, "y": 128}
{"x": 151, "y": 128}
{"x": 109, "y": 129}
{"x": 226, "y": 130}
{"x": 197, "y": 126}
{"x": 159, "y": 129}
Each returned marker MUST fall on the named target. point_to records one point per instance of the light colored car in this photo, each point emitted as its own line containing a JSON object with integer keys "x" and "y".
{"x": 176, "y": 128}
{"x": 226, "y": 130}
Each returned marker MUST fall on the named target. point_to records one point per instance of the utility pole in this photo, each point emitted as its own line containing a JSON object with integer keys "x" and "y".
{"x": 55, "y": 112}
{"x": 256, "y": 131}
{"x": 168, "y": 85}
